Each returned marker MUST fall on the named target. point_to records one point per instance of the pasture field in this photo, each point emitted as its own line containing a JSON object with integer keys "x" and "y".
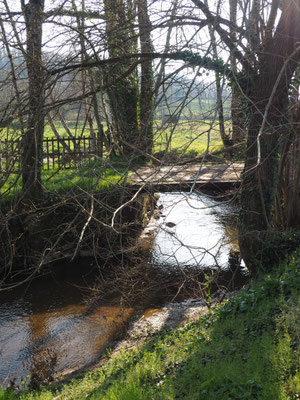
{"x": 187, "y": 139}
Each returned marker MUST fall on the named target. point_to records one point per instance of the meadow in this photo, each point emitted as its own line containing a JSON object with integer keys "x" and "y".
{"x": 172, "y": 143}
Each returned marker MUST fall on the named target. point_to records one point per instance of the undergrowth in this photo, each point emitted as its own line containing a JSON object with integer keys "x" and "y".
{"x": 246, "y": 348}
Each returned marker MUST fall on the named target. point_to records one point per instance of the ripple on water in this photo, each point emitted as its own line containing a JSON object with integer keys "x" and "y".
{"x": 49, "y": 326}
{"x": 50, "y": 334}
{"x": 192, "y": 231}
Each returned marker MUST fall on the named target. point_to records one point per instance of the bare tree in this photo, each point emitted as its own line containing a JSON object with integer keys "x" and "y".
{"x": 237, "y": 116}
{"x": 122, "y": 79}
{"x": 225, "y": 138}
{"x": 268, "y": 63}
{"x": 32, "y": 156}
{"x": 146, "y": 90}
{"x": 105, "y": 57}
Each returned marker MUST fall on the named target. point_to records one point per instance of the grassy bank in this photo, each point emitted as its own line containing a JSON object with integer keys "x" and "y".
{"x": 246, "y": 348}
{"x": 90, "y": 177}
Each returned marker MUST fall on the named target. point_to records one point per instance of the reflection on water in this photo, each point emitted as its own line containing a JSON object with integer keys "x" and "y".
{"x": 192, "y": 232}
{"x": 49, "y": 329}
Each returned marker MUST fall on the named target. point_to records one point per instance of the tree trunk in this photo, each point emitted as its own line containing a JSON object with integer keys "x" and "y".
{"x": 32, "y": 141}
{"x": 268, "y": 121}
{"x": 88, "y": 80}
{"x": 122, "y": 83}
{"x": 146, "y": 91}
{"x": 237, "y": 117}
{"x": 225, "y": 139}
{"x": 287, "y": 211}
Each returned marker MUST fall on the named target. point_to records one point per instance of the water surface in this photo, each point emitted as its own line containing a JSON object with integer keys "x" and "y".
{"x": 194, "y": 230}
{"x": 47, "y": 328}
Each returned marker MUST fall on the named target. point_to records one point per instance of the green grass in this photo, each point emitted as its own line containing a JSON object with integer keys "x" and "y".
{"x": 247, "y": 348}
{"x": 192, "y": 108}
{"x": 189, "y": 138}
{"x": 92, "y": 177}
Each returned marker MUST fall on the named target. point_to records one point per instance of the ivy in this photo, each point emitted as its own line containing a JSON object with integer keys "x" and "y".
{"x": 196, "y": 60}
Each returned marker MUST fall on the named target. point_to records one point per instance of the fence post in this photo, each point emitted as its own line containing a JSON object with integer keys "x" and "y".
{"x": 100, "y": 138}
{"x": 1, "y": 169}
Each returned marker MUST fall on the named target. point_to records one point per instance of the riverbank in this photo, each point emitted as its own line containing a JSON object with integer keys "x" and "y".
{"x": 63, "y": 322}
{"x": 245, "y": 348}
{"x": 67, "y": 227}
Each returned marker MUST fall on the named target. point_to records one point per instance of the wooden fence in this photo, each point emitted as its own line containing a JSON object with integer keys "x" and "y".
{"x": 60, "y": 153}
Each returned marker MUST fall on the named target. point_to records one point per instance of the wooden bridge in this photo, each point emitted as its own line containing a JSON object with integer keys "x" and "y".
{"x": 185, "y": 177}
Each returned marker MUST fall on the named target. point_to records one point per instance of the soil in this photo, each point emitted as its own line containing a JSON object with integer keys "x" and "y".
{"x": 171, "y": 316}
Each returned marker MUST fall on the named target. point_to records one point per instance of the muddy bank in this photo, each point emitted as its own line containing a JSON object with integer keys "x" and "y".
{"x": 154, "y": 320}
{"x": 66, "y": 228}
{"x": 144, "y": 325}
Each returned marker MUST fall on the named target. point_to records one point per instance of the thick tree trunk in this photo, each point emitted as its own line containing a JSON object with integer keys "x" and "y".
{"x": 287, "y": 211}
{"x": 268, "y": 121}
{"x": 122, "y": 90}
{"x": 258, "y": 186}
{"x": 32, "y": 141}
{"x": 146, "y": 91}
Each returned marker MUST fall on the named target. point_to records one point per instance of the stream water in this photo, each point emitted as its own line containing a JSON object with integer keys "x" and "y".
{"x": 194, "y": 230}
{"x": 47, "y": 328}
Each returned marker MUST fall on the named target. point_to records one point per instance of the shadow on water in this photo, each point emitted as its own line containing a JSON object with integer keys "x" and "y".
{"x": 48, "y": 329}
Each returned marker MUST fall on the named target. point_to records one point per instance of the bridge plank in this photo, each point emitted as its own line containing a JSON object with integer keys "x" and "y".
{"x": 187, "y": 174}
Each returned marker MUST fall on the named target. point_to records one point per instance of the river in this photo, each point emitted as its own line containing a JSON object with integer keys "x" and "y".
{"x": 48, "y": 328}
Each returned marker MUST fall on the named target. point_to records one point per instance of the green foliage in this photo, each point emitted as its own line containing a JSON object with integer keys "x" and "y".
{"x": 7, "y": 395}
{"x": 274, "y": 245}
{"x": 230, "y": 389}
